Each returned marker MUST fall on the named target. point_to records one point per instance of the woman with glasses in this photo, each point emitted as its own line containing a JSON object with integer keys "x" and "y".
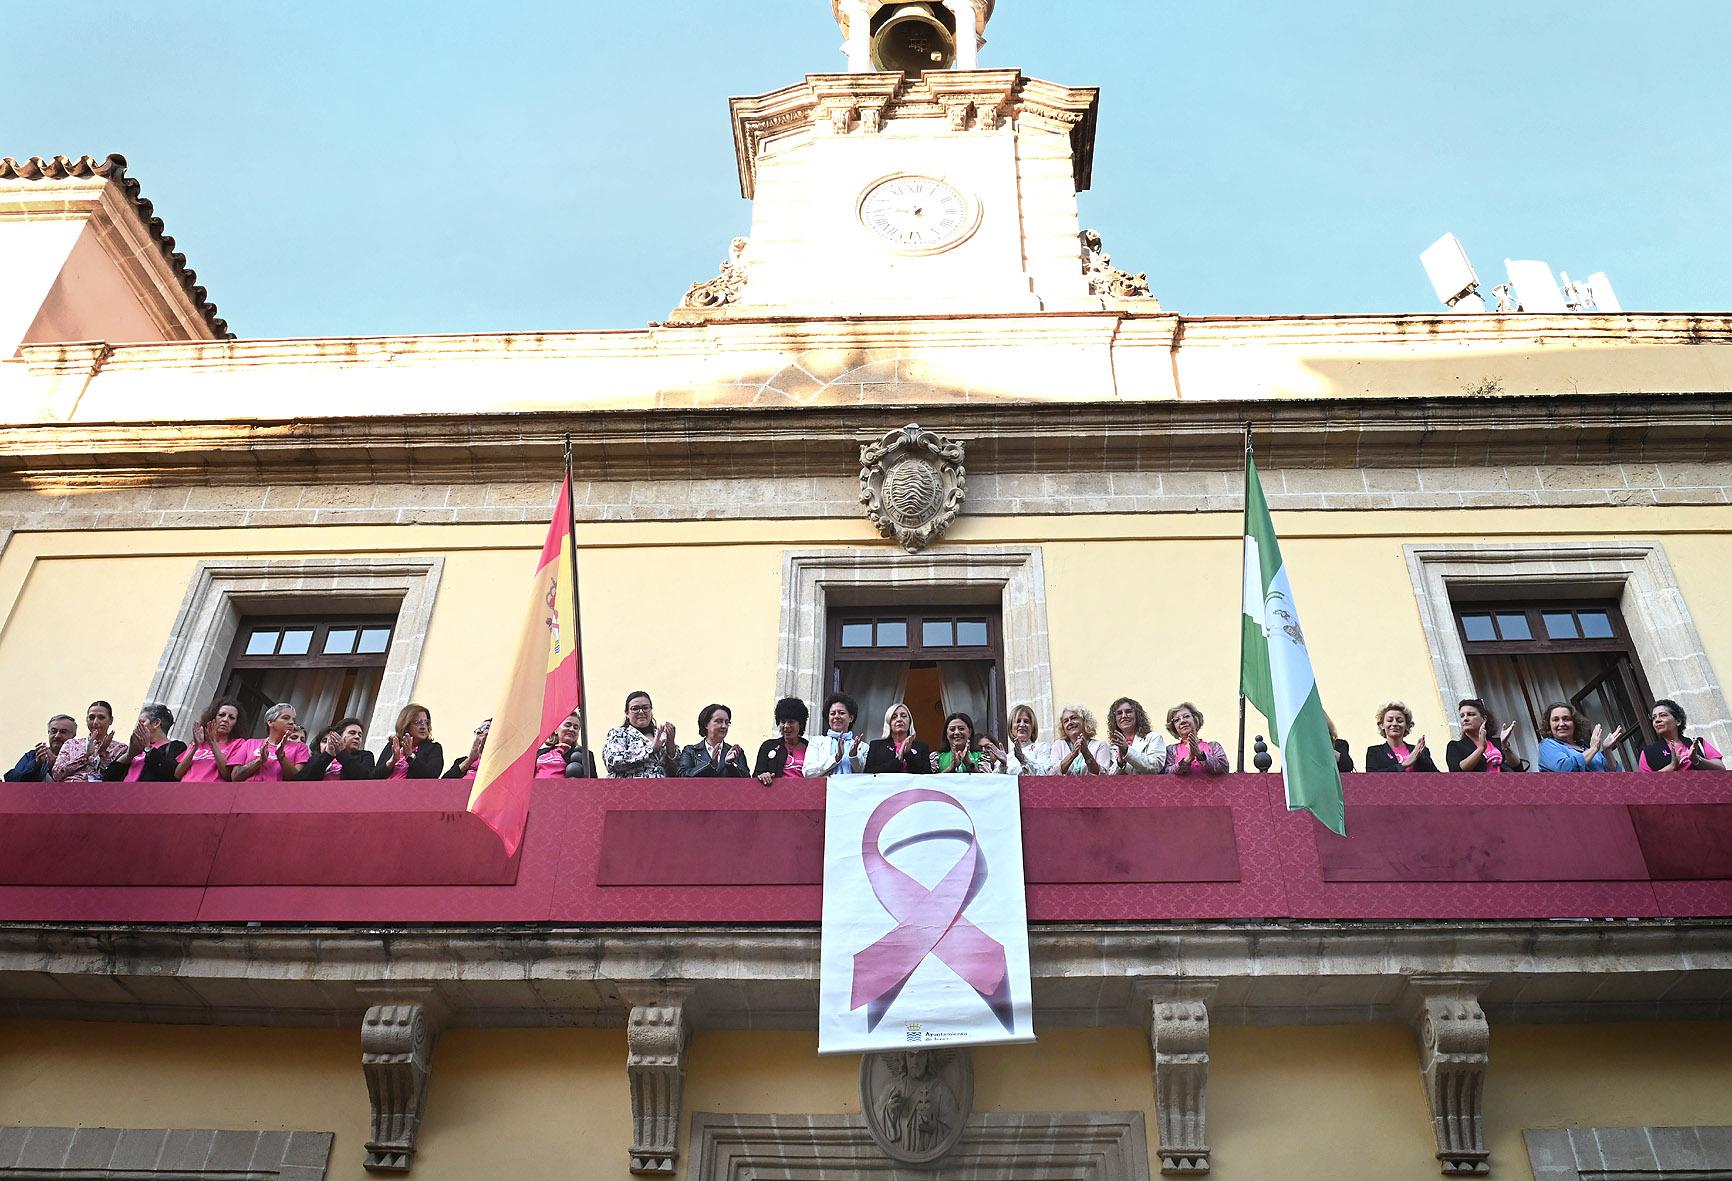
{"x": 1137, "y": 748}
{"x": 637, "y": 748}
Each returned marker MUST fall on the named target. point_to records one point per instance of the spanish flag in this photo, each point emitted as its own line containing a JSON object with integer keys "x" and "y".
{"x": 540, "y": 693}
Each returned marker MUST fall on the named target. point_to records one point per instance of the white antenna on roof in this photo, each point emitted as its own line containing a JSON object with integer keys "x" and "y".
{"x": 1531, "y": 287}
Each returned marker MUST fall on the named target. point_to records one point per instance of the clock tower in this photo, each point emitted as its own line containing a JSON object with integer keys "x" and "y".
{"x": 916, "y": 183}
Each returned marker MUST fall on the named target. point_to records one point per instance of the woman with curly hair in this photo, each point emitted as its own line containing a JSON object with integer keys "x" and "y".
{"x": 1192, "y": 752}
{"x": 1137, "y": 749}
{"x": 1394, "y": 722}
{"x": 1078, "y": 751}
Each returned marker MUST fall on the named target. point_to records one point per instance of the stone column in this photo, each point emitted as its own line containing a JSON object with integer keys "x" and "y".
{"x": 1179, "y": 1042}
{"x": 1454, "y": 1052}
{"x": 656, "y": 1067}
{"x": 968, "y": 38}
{"x": 857, "y": 40}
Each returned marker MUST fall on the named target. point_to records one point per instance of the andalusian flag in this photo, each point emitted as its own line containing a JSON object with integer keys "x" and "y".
{"x": 541, "y": 692}
{"x": 1275, "y": 668}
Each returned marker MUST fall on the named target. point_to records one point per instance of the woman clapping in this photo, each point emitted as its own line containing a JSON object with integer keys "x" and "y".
{"x": 1394, "y": 753}
{"x": 1482, "y": 746}
{"x": 714, "y": 758}
{"x": 899, "y": 751}
{"x": 638, "y": 748}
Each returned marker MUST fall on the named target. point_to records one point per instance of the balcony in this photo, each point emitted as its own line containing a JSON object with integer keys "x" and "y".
{"x": 1119, "y": 850}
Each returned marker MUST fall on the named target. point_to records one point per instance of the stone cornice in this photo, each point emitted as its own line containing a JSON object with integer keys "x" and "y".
{"x": 1002, "y": 437}
{"x": 766, "y": 977}
{"x": 826, "y": 103}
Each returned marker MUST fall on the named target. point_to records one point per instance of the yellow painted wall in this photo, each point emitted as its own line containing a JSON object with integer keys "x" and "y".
{"x": 1301, "y": 1103}
{"x": 1138, "y": 604}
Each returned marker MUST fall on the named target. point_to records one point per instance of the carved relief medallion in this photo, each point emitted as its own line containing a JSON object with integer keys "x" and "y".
{"x": 917, "y": 1102}
{"x": 912, "y": 483}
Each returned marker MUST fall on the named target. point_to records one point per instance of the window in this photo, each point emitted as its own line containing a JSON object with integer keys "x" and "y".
{"x": 1525, "y": 655}
{"x": 937, "y": 660}
{"x": 326, "y": 667}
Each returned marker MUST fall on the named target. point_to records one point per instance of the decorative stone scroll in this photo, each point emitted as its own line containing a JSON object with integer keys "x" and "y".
{"x": 1179, "y": 1042}
{"x": 912, "y": 483}
{"x": 725, "y": 288}
{"x": 397, "y": 1058}
{"x": 1106, "y": 279}
{"x": 1454, "y": 1052}
{"x": 917, "y": 1102}
{"x": 656, "y": 1065}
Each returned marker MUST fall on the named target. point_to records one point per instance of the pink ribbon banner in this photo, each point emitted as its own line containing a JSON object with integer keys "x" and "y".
{"x": 929, "y": 922}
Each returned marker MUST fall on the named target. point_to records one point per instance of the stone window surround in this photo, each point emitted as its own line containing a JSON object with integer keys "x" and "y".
{"x": 118, "y": 1154}
{"x": 1013, "y": 576}
{"x": 1629, "y": 1154}
{"x": 1090, "y": 1146}
{"x": 190, "y": 670}
{"x": 1637, "y": 573}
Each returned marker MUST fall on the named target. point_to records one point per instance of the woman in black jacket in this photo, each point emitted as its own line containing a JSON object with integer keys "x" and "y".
{"x": 714, "y": 758}
{"x": 1394, "y": 721}
{"x": 411, "y": 752}
{"x": 899, "y": 751}
{"x": 1482, "y": 746}
{"x": 151, "y": 757}
{"x": 341, "y": 753}
{"x": 784, "y": 755}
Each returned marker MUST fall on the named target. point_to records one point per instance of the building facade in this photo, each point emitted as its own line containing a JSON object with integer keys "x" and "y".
{"x": 1521, "y": 508}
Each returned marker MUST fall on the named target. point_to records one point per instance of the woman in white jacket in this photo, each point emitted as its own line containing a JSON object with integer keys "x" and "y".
{"x": 1136, "y": 747}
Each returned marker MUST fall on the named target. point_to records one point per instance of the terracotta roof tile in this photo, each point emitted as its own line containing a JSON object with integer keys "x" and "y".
{"x": 114, "y": 168}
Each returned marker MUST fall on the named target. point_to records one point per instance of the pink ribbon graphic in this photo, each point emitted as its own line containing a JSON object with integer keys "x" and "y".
{"x": 928, "y": 922}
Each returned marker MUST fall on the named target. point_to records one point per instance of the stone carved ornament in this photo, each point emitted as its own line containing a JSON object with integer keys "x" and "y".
{"x": 917, "y": 1102}
{"x": 1106, "y": 279}
{"x": 912, "y": 483}
{"x": 725, "y": 287}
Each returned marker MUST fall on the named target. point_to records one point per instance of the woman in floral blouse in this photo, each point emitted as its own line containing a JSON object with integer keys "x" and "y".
{"x": 84, "y": 760}
{"x": 638, "y": 748}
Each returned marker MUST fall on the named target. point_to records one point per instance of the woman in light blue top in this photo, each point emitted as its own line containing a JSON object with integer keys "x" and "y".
{"x": 1562, "y": 750}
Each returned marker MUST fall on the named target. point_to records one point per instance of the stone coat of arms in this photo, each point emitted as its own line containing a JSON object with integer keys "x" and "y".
{"x": 912, "y": 483}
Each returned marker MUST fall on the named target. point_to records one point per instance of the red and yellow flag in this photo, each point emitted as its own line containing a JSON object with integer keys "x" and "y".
{"x": 541, "y": 691}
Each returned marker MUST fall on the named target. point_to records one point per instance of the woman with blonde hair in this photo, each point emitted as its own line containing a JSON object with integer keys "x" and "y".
{"x": 411, "y": 752}
{"x": 900, "y": 749}
{"x": 1077, "y": 751}
{"x": 1192, "y": 752}
{"x": 1394, "y": 722}
{"x": 1023, "y": 752}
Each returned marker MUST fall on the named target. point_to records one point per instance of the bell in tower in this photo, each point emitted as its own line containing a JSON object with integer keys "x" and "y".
{"x": 912, "y": 36}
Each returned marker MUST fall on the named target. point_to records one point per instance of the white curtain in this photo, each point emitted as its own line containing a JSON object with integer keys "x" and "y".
{"x": 875, "y": 685}
{"x": 967, "y": 688}
{"x": 322, "y": 695}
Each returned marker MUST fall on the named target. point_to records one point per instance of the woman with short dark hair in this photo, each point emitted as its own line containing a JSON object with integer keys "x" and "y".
{"x": 838, "y": 751}
{"x": 1675, "y": 751}
{"x": 637, "y": 748}
{"x": 785, "y": 755}
{"x": 151, "y": 756}
{"x": 341, "y": 753}
{"x": 713, "y": 757}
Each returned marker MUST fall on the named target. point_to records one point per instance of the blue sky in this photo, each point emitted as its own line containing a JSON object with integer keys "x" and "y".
{"x": 362, "y": 169}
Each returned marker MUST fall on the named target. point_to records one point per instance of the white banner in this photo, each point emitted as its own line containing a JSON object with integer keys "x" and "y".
{"x": 925, "y": 937}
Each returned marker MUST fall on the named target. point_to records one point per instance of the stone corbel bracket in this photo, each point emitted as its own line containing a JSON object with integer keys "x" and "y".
{"x": 1454, "y": 1051}
{"x": 655, "y": 1035}
{"x": 397, "y": 1039}
{"x": 1179, "y": 1043}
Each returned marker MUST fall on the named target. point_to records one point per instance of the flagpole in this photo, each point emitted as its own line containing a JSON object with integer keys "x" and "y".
{"x": 577, "y": 612}
{"x": 1239, "y": 765}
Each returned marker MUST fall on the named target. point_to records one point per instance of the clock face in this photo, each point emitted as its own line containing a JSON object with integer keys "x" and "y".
{"x": 917, "y": 214}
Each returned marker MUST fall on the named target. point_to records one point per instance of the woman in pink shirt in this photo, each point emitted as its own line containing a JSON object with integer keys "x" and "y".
{"x": 1192, "y": 752}
{"x": 214, "y": 751}
{"x": 1676, "y": 751}
{"x": 276, "y": 756}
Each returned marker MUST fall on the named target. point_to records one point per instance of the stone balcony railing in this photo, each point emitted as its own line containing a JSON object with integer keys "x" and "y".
{"x": 1134, "y": 850}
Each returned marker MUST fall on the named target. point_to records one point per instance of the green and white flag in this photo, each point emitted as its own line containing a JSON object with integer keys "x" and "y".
{"x": 1275, "y": 668}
